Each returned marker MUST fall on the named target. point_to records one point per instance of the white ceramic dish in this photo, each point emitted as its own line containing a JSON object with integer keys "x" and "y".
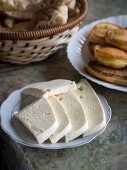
{"x": 12, "y": 105}
{"x": 80, "y": 60}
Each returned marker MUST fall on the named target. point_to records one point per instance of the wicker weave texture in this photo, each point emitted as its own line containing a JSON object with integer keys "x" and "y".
{"x": 24, "y": 52}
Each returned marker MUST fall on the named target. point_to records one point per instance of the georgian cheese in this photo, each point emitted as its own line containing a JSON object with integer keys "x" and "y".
{"x": 64, "y": 124}
{"x": 39, "y": 118}
{"x": 76, "y": 115}
{"x": 92, "y": 106}
{"x": 49, "y": 88}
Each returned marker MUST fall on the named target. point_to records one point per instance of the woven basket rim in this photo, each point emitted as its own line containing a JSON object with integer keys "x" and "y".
{"x": 48, "y": 32}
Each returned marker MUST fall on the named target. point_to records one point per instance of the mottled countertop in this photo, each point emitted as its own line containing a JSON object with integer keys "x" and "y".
{"x": 106, "y": 152}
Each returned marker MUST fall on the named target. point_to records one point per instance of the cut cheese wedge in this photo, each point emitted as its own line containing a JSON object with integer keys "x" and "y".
{"x": 92, "y": 106}
{"x": 50, "y": 88}
{"x": 39, "y": 118}
{"x": 76, "y": 115}
{"x": 64, "y": 124}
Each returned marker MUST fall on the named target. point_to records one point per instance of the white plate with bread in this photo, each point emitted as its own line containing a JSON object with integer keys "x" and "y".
{"x": 106, "y": 65}
{"x": 55, "y": 114}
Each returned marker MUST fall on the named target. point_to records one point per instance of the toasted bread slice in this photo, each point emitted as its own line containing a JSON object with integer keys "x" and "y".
{"x": 98, "y": 33}
{"x": 117, "y": 38}
{"x": 118, "y": 77}
{"x": 39, "y": 119}
{"x": 76, "y": 115}
{"x": 92, "y": 106}
{"x": 110, "y": 56}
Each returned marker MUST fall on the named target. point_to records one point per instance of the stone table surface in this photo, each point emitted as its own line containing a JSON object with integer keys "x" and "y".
{"x": 106, "y": 152}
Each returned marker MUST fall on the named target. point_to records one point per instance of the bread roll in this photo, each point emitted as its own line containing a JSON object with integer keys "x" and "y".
{"x": 60, "y": 16}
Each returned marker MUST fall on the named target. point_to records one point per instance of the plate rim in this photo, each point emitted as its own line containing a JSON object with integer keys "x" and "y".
{"x": 36, "y": 145}
{"x": 78, "y": 37}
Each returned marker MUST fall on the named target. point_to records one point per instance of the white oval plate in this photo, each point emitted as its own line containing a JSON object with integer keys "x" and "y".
{"x": 79, "y": 60}
{"x": 12, "y": 104}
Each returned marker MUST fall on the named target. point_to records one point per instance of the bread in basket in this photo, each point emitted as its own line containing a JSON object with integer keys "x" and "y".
{"x": 24, "y": 47}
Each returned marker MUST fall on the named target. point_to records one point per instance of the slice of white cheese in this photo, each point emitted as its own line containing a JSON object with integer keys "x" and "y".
{"x": 50, "y": 88}
{"x": 64, "y": 124}
{"x": 39, "y": 118}
{"x": 76, "y": 115}
{"x": 92, "y": 106}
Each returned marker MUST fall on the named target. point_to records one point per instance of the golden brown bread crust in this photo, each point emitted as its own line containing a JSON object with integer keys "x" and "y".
{"x": 110, "y": 56}
{"x": 97, "y": 35}
{"x": 101, "y": 28}
{"x": 117, "y": 38}
{"x": 118, "y": 77}
{"x": 95, "y": 39}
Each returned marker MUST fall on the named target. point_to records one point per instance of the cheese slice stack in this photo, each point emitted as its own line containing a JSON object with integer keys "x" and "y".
{"x": 60, "y": 108}
{"x": 49, "y": 88}
{"x": 39, "y": 118}
{"x": 76, "y": 115}
{"x": 93, "y": 108}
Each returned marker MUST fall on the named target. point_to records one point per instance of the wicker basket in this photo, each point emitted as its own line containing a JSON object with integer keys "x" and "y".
{"x": 36, "y": 45}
